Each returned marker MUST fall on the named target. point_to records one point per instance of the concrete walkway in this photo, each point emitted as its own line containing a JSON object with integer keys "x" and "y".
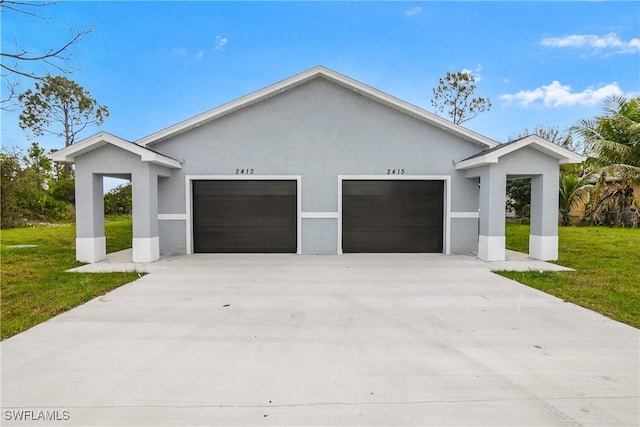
{"x": 421, "y": 340}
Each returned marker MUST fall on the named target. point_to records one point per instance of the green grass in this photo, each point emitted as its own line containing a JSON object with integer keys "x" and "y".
{"x": 607, "y": 264}
{"x": 34, "y": 285}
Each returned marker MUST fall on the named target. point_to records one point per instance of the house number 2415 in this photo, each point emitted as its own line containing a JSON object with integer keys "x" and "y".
{"x": 395, "y": 171}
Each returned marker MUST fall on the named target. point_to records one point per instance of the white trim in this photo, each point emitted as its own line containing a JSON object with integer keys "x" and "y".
{"x": 91, "y": 249}
{"x": 544, "y": 248}
{"x": 68, "y": 154}
{"x": 189, "y": 196}
{"x": 145, "y": 249}
{"x": 491, "y": 248}
{"x": 305, "y": 76}
{"x": 172, "y": 217}
{"x": 456, "y": 215}
{"x": 446, "y": 220}
{"x": 563, "y": 155}
{"x": 319, "y": 215}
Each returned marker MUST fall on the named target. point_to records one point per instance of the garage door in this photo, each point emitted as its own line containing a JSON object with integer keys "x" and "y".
{"x": 249, "y": 216}
{"x": 392, "y": 216}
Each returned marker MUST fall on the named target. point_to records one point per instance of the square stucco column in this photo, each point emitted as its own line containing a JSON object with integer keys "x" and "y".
{"x": 543, "y": 238}
{"x": 491, "y": 241}
{"x": 145, "y": 243}
{"x": 91, "y": 244}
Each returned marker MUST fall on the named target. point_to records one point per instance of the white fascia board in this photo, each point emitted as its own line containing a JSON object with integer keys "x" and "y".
{"x": 68, "y": 154}
{"x": 475, "y": 162}
{"x": 301, "y": 78}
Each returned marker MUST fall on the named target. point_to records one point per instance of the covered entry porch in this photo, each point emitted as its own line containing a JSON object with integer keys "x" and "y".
{"x": 532, "y": 157}
{"x": 105, "y": 155}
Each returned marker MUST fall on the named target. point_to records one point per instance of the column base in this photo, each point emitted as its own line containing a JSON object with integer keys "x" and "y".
{"x": 91, "y": 249}
{"x": 146, "y": 249}
{"x": 544, "y": 248}
{"x": 491, "y": 248}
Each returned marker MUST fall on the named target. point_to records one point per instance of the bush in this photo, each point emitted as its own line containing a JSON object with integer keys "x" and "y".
{"x": 118, "y": 200}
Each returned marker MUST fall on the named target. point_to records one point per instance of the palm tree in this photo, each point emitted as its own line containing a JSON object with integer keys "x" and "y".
{"x": 574, "y": 192}
{"x": 614, "y": 138}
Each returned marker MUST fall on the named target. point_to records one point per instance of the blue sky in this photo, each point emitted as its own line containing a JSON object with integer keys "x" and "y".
{"x": 156, "y": 63}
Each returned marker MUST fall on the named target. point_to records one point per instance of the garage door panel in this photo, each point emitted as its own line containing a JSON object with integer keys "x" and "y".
{"x": 241, "y": 240}
{"x": 238, "y": 188}
{"x": 392, "y": 215}
{"x": 249, "y": 216}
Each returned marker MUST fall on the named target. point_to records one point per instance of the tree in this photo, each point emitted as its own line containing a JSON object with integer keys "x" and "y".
{"x": 574, "y": 191}
{"x": 614, "y": 138}
{"x": 27, "y": 186}
{"x": 61, "y": 107}
{"x": 454, "y": 97}
{"x": 118, "y": 200}
{"x": 20, "y": 62}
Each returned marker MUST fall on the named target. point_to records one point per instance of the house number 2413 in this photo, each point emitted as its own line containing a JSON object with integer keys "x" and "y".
{"x": 395, "y": 171}
{"x": 244, "y": 171}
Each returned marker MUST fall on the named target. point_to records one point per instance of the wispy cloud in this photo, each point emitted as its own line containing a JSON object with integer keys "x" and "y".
{"x": 609, "y": 43}
{"x": 218, "y": 45}
{"x": 413, "y": 11}
{"x": 220, "y": 42}
{"x": 557, "y": 95}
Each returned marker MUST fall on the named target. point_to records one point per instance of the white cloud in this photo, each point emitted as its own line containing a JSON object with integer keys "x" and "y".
{"x": 179, "y": 51}
{"x": 609, "y": 42}
{"x": 200, "y": 54}
{"x": 220, "y": 42}
{"x": 413, "y": 11}
{"x": 558, "y": 95}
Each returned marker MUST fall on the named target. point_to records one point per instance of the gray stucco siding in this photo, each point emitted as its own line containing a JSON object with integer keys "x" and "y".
{"x": 172, "y": 237}
{"x": 319, "y": 130}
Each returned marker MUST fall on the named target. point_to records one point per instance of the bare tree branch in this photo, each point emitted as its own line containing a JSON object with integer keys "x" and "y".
{"x": 15, "y": 62}
{"x": 15, "y": 7}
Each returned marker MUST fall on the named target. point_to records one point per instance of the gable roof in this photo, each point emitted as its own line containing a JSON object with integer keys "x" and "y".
{"x": 298, "y": 79}
{"x": 492, "y": 155}
{"x": 68, "y": 154}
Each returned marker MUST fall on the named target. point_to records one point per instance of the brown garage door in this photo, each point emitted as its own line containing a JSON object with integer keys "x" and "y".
{"x": 392, "y": 216}
{"x": 249, "y": 216}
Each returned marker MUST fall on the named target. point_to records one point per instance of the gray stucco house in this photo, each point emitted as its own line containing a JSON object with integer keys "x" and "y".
{"x": 316, "y": 164}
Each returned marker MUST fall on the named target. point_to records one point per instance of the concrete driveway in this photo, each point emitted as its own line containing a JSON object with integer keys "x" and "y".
{"x": 323, "y": 340}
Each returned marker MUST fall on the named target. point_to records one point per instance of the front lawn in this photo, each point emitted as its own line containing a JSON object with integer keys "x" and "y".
{"x": 34, "y": 285}
{"x": 607, "y": 263}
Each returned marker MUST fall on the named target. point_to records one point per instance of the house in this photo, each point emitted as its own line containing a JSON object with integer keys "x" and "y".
{"x": 316, "y": 164}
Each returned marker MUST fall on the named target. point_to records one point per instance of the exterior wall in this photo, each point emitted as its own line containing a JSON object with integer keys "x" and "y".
{"x": 318, "y": 130}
